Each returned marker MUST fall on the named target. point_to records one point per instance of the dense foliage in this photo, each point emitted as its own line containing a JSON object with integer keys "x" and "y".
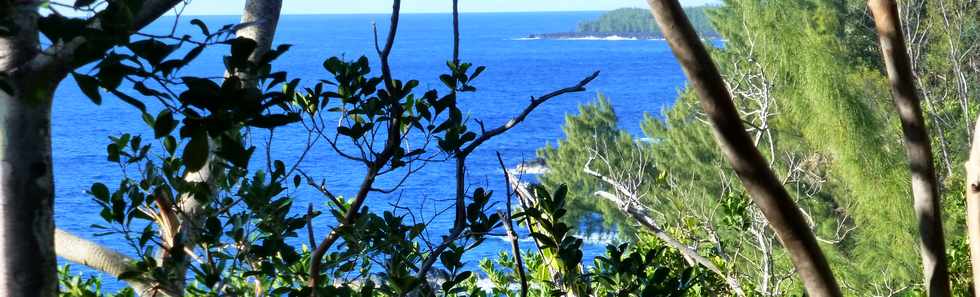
{"x": 639, "y": 20}
{"x": 203, "y": 219}
{"x": 808, "y": 81}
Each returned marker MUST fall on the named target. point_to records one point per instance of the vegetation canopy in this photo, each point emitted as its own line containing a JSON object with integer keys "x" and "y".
{"x": 816, "y": 152}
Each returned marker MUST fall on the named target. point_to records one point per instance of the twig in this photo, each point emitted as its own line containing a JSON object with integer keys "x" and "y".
{"x": 509, "y": 226}
{"x": 525, "y": 197}
{"x": 579, "y": 87}
{"x": 309, "y": 225}
{"x": 641, "y": 214}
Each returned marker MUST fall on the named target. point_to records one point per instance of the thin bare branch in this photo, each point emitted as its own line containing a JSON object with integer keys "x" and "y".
{"x": 509, "y": 226}
{"x": 631, "y": 206}
{"x": 579, "y": 87}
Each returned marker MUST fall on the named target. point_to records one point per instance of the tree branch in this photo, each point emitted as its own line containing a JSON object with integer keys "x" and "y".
{"x": 509, "y": 226}
{"x": 579, "y": 87}
{"x": 641, "y": 214}
{"x": 98, "y": 257}
{"x": 391, "y": 144}
{"x": 461, "y": 165}
{"x": 59, "y": 57}
{"x": 525, "y": 197}
{"x": 758, "y": 179}
{"x": 918, "y": 147}
{"x": 459, "y": 223}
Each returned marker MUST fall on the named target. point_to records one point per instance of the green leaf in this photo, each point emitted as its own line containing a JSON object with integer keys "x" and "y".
{"x": 463, "y": 276}
{"x": 129, "y": 99}
{"x": 113, "y": 151}
{"x": 154, "y": 51}
{"x": 448, "y": 80}
{"x": 196, "y": 152}
{"x": 60, "y": 28}
{"x": 83, "y": 3}
{"x": 89, "y": 86}
{"x": 241, "y": 49}
{"x": 234, "y": 151}
{"x": 273, "y": 120}
{"x": 164, "y": 124}
{"x": 477, "y": 72}
{"x": 146, "y": 235}
{"x": 546, "y": 241}
{"x": 170, "y": 144}
{"x": 100, "y": 191}
{"x": 200, "y": 24}
{"x": 192, "y": 54}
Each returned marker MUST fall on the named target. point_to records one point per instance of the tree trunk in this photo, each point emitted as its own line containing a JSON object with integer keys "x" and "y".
{"x": 28, "y": 266}
{"x": 259, "y": 21}
{"x": 28, "y": 79}
{"x": 261, "y": 17}
{"x": 973, "y": 207}
{"x": 918, "y": 147}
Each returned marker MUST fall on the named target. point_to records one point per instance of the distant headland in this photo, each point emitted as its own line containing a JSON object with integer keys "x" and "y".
{"x": 630, "y": 24}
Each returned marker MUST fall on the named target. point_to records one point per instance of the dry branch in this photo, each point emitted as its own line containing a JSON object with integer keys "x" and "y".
{"x": 630, "y": 205}
{"x": 509, "y": 226}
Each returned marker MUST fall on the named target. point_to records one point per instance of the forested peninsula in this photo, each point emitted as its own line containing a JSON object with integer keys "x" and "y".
{"x": 631, "y": 23}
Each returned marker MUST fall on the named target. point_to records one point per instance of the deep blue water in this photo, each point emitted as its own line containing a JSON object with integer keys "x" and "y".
{"x": 638, "y": 77}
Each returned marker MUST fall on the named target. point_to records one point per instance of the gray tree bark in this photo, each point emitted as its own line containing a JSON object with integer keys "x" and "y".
{"x": 259, "y": 21}
{"x": 973, "y": 206}
{"x": 918, "y": 147}
{"x": 91, "y": 254}
{"x": 27, "y": 261}
{"x": 28, "y": 266}
{"x": 28, "y": 79}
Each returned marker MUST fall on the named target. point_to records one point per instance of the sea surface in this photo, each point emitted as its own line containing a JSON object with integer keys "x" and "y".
{"x": 638, "y": 76}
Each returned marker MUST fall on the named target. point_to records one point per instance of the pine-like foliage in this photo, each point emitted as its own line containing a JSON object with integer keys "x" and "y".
{"x": 807, "y": 77}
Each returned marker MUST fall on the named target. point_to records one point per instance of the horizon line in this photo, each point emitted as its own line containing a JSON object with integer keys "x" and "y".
{"x": 404, "y": 12}
{"x": 285, "y": 13}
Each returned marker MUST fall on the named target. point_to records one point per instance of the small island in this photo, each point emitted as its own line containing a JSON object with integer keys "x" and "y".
{"x": 630, "y": 24}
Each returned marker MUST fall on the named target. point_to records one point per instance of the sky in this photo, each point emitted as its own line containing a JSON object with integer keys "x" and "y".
{"x": 233, "y": 7}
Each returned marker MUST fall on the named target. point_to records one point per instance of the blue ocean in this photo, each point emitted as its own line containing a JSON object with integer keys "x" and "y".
{"x": 638, "y": 77}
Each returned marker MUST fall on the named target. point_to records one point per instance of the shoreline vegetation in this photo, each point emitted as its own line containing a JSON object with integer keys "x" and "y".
{"x": 630, "y": 24}
{"x": 785, "y": 166}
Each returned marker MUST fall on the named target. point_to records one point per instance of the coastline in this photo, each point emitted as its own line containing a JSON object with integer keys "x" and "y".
{"x": 599, "y": 36}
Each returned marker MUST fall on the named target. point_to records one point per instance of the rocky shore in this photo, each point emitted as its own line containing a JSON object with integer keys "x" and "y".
{"x": 595, "y": 36}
